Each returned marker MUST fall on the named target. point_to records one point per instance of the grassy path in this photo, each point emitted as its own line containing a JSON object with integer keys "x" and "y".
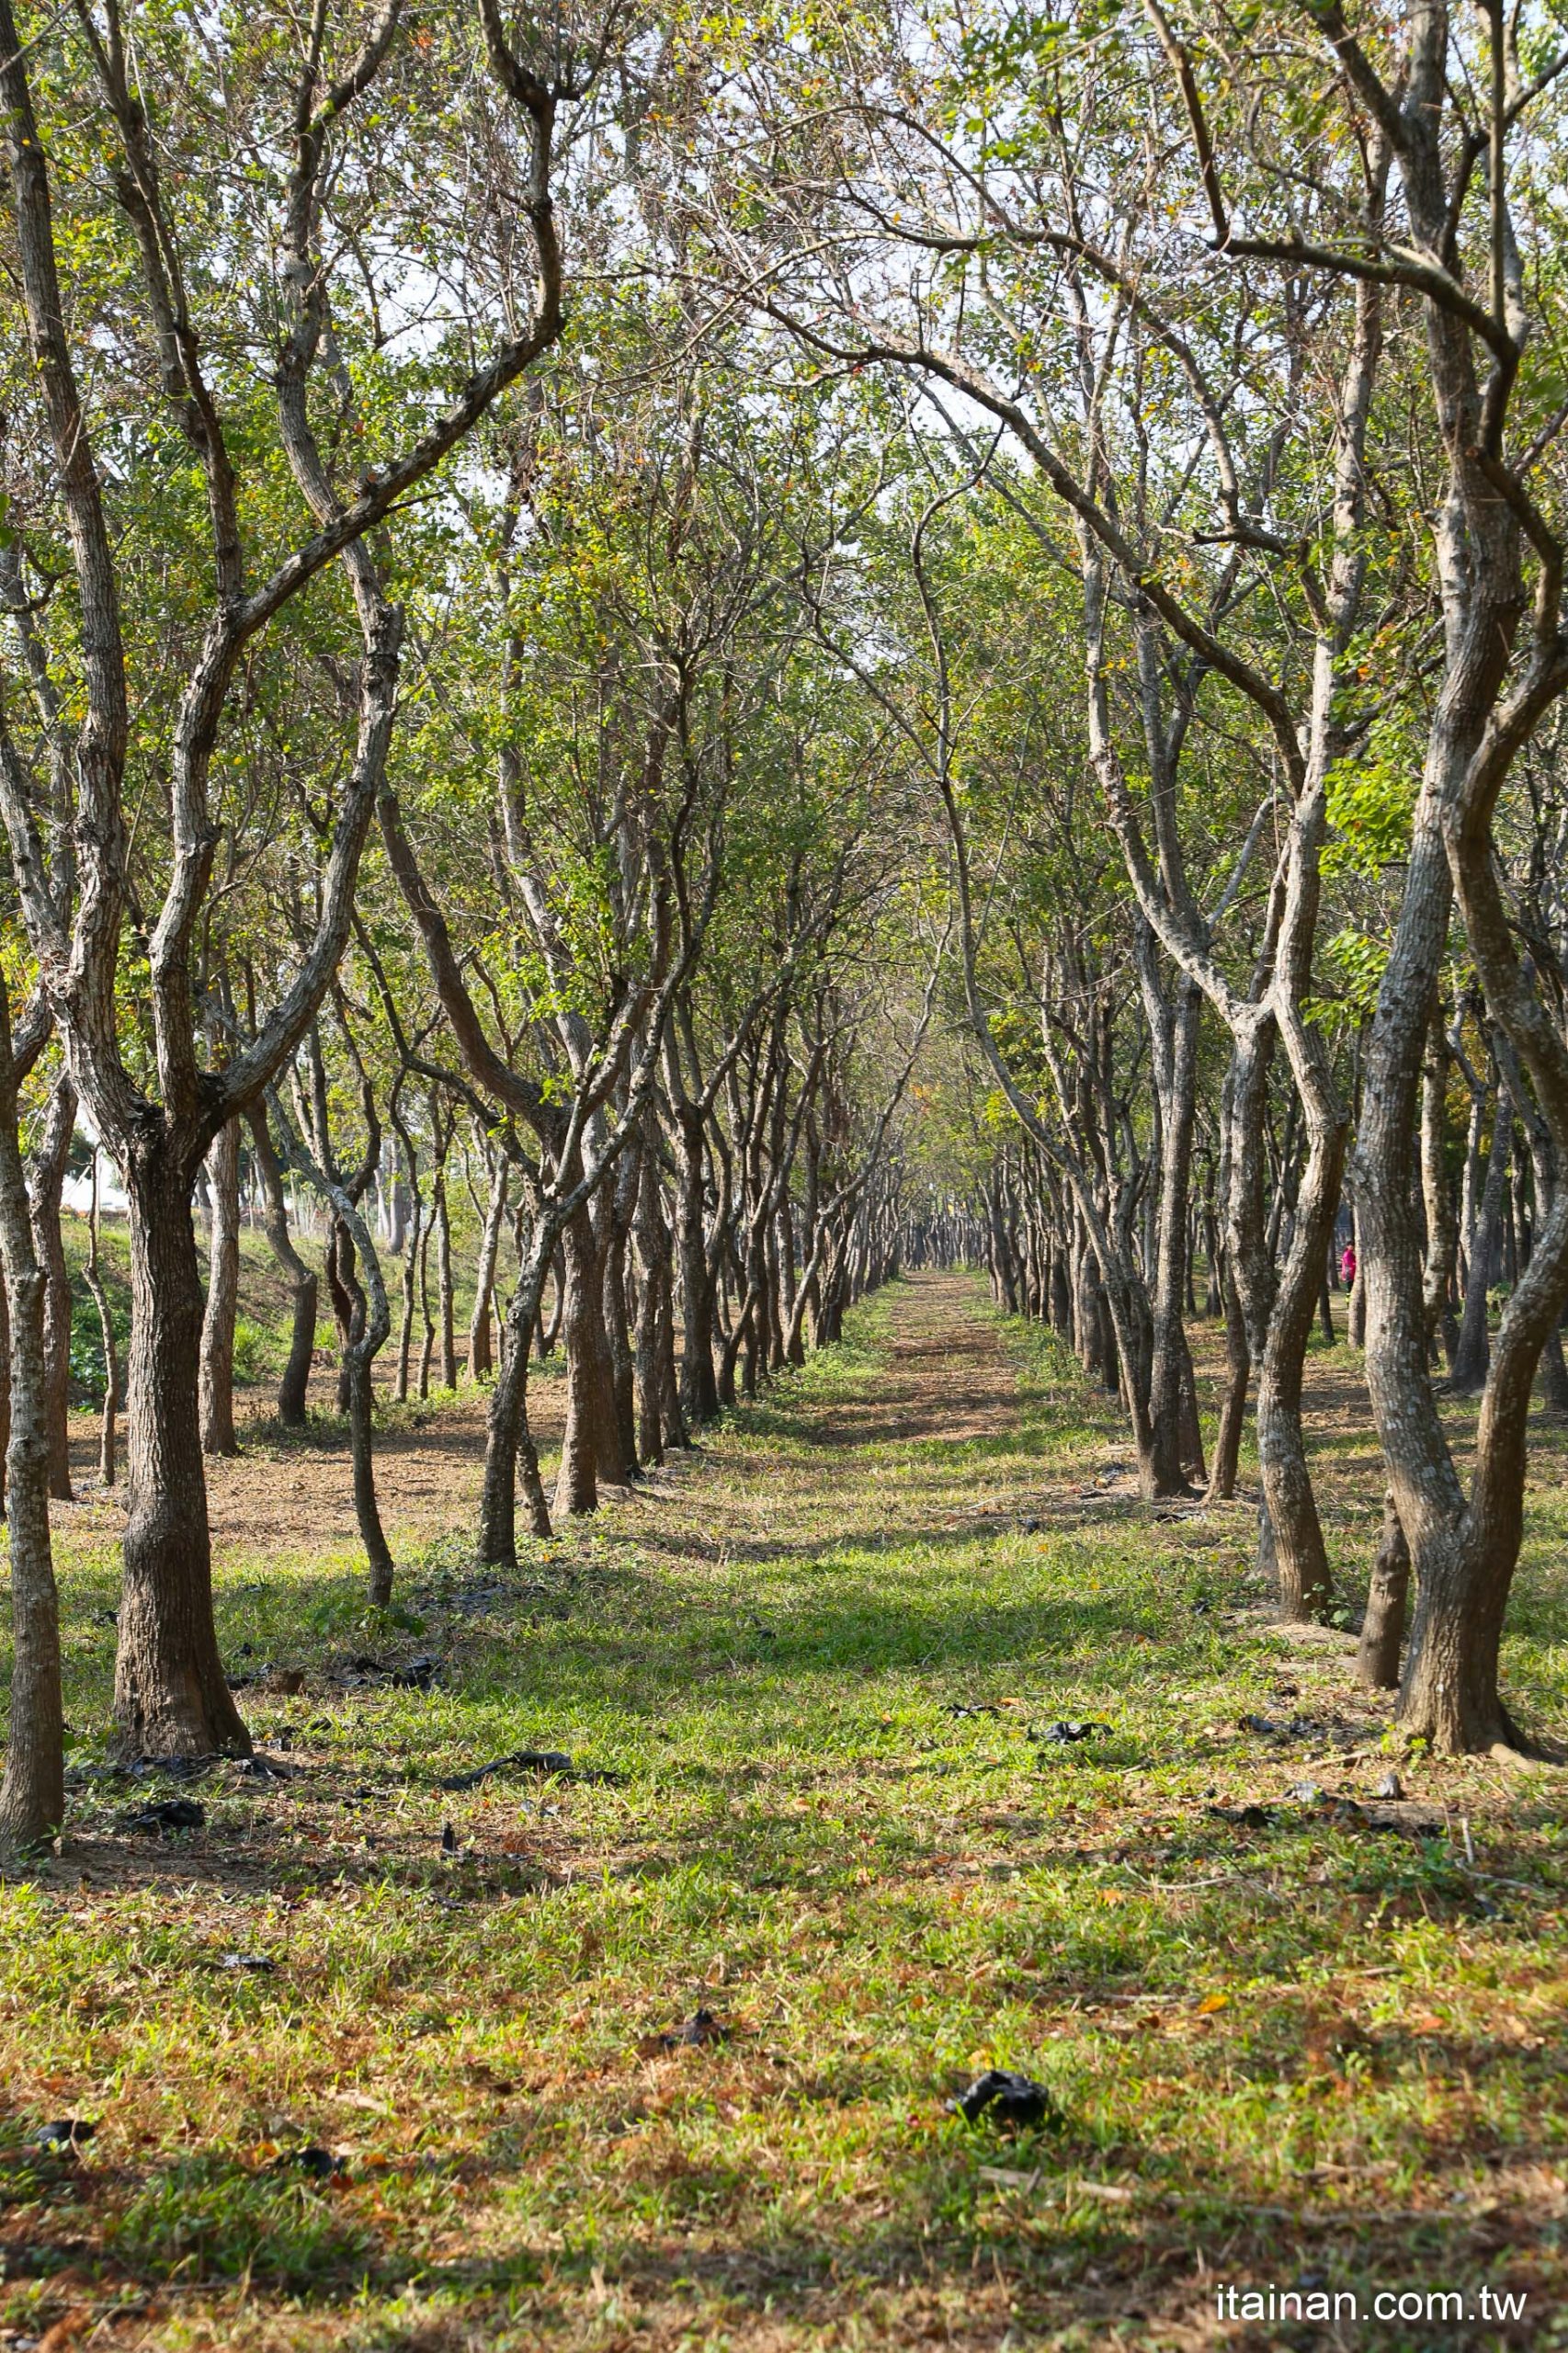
{"x": 807, "y": 1662}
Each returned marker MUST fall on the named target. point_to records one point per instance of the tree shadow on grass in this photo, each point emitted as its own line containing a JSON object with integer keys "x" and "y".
{"x": 980, "y": 2230}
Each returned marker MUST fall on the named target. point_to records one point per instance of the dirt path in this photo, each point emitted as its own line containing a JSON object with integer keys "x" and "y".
{"x": 948, "y": 1379}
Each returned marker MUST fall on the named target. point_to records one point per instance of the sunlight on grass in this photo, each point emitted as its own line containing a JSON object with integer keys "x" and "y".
{"x": 1265, "y": 2039}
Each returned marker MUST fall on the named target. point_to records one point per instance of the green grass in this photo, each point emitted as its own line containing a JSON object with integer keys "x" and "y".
{"x": 1300, "y": 2051}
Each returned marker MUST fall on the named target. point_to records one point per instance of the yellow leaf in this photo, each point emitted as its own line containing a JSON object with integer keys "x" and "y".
{"x": 1213, "y": 2002}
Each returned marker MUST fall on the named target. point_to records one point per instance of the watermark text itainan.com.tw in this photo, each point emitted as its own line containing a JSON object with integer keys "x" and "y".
{"x": 1232, "y": 2301}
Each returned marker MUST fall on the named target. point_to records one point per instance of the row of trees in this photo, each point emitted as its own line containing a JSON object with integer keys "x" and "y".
{"x": 1231, "y": 355}
{"x": 1102, "y": 470}
{"x": 410, "y": 749}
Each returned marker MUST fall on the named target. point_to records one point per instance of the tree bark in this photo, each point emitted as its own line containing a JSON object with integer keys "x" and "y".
{"x": 659, "y": 1422}
{"x": 1234, "y": 1403}
{"x": 1382, "y": 1630}
{"x": 1306, "y": 1585}
{"x": 46, "y": 1173}
{"x": 591, "y": 1447}
{"x": 509, "y": 1452}
{"x": 1473, "y": 1354}
{"x": 171, "y": 1698}
{"x": 614, "y": 1203}
{"x": 32, "y": 1789}
{"x": 428, "y": 1344}
{"x": 479, "y": 1362}
{"x": 1174, "y": 1026}
{"x": 411, "y": 1247}
{"x": 444, "y": 1282}
{"x": 294, "y": 1388}
{"x": 216, "y": 1386}
{"x": 698, "y": 1386}
{"x": 367, "y": 1509}
{"x": 107, "y": 1420}
{"x": 5, "y": 1389}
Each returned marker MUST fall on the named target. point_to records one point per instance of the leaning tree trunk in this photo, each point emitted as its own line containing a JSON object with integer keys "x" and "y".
{"x": 342, "y": 1290}
{"x": 33, "y": 1790}
{"x": 216, "y": 1386}
{"x": 170, "y": 1695}
{"x": 47, "y": 1173}
{"x": 548, "y": 1329}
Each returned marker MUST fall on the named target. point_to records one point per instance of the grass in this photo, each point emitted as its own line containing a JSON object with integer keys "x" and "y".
{"x": 1299, "y": 2055}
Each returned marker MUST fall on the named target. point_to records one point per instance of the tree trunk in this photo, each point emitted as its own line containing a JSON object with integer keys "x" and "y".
{"x": 480, "y": 1363}
{"x": 1169, "y": 1447}
{"x": 294, "y": 1388}
{"x": 549, "y": 1327}
{"x": 47, "y": 1178}
{"x": 170, "y": 1695}
{"x": 614, "y": 1205}
{"x": 444, "y": 1283}
{"x": 1326, "y": 1299}
{"x": 106, "y": 1333}
{"x": 342, "y": 1290}
{"x": 698, "y": 1386}
{"x": 659, "y": 1406}
{"x": 1306, "y": 1585}
{"x": 1382, "y": 1630}
{"x": 1442, "y": 1233}
{"x": 1233, "y": 1404}
{"x": 367, "y": 1510}
{"x": 410, "y": 1276}
{"x": 1473, "y": 1354}
{"x": 33, "y": 1790}
{"x": 428, "y": 1346}
{"x": 217, "y": 1365}
{"x": 1192, "y": 1460}
{"x": 1553, "y": 1374}
{"x": 590, "y": 1448}
{"x": 4, "y": 1387}
{"x": 509, "y": 1450}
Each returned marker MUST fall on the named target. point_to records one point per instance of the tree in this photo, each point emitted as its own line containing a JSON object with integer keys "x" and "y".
{"x": 154, "y": 1105}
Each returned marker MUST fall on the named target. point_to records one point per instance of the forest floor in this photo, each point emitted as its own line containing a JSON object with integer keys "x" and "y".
{"x": 659, "y": 2054}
